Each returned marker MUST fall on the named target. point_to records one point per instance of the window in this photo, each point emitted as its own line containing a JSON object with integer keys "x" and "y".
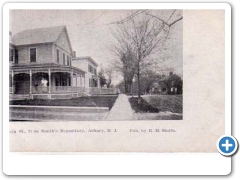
{"x": 16, "y": 56}
{"x": 89, "y": 68}
{"x": 33, "y": 54}
{"x": 70, "y": 62}
{"x": 67, "y": 60}
{"x": 57, "y": 56}
{"x": 63, "y": 59}
{"x": 95, "y": 71}
{"x": 11, "y": 54}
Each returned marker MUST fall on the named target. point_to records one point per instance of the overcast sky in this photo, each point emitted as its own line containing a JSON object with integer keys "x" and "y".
{"x": 90, "y": 32}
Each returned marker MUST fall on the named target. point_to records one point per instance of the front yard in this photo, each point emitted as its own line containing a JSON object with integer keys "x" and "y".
{"x": 171, "y": 103}
{"x": 90, "y": 101}
{"x": 158, "y": 107}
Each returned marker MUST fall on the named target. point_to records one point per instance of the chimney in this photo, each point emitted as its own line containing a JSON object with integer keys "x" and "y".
{"x": 74, "y": 54}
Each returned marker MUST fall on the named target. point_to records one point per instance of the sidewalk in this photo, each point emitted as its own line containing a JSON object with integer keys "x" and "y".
{"x": 121, "y": 110}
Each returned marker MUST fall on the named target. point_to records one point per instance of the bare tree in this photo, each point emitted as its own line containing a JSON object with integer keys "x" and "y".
{"x": 138, "y": 40}
{"x": 106, "y": 75}
{"x": 109, "y": 75}
{"x": 139, "y": 37}
{"x": 126, "y": 61}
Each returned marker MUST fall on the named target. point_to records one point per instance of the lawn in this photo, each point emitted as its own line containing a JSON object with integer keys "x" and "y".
{"x": 90, "y": 101}
{"x": 144, "y": 107}
{"x": 171, "y": 103}
{"x": 158, "y": 103}
{"x": 158, "y": 107}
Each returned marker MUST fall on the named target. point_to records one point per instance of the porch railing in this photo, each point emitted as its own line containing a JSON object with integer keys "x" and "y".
{"x": 40, "y": 90}
{"x": 97, "y": 90}
{"x": 64, "y": 89}
{"x": 56, "y": 89}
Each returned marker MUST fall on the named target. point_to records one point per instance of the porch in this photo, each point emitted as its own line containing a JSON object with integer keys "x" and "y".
{"x": 50, "y": 81}
{"x": 45, "y": 81}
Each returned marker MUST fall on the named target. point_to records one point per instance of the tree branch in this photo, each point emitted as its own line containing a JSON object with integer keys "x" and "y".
{"x": 175, "y": 21}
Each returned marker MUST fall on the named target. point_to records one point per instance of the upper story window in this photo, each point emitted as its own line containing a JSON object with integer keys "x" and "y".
{"x": 63, "y": 59}
{"x": 33, "y": 54}
{"x": 57, "y": 56}
{"x": 11, "y": 55}
{"x": 68, "y": 60}
{"x": 16, "y": 56}
{"x": 89, "y": 68}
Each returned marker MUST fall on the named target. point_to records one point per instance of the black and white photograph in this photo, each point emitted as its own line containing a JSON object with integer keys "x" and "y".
{"x": 95, "y": 65}
{"x": 95, "y": 85}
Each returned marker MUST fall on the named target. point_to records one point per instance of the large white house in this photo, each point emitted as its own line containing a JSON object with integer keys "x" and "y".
{"x": 40, "y": 64}
{"x": 88, "y": 65}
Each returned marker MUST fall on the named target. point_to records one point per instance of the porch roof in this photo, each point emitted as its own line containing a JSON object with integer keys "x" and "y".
{"x": 52, "y": 66}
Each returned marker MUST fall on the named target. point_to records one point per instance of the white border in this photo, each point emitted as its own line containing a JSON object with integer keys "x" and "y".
{"x": 116, "y": 163}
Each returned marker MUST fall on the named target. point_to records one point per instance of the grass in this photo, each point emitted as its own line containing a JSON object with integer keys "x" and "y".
{"x": 157, "y": 103}
{"x": 90, "y": 101}
{"x": 158, "y": 107}
{"x": 143, "y": 107}
{"x": 171, "y": 103}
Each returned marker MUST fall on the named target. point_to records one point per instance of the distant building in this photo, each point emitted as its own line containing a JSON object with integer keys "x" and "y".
{"x": 174, "y": 84}
{"x": 159, "y": 88}
{"x": 90, "y": 67}
{"x": 171, "y": 84}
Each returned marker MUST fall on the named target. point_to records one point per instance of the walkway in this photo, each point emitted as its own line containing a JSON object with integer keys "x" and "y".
{"x": 121, "y": 110}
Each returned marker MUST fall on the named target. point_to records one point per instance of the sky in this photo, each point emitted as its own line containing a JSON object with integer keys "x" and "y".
{"x": 90, "y": 32}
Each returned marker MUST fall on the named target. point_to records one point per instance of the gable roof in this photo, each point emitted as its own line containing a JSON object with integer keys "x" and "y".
{"x": 38, "y": 36}
{"x": 86, "y": 58}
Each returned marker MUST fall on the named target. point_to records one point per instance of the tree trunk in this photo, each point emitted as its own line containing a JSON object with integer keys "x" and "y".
{"x": 139, "y": 84}
{"x": 128, "y": 83}
{"x": 128, "y": 86}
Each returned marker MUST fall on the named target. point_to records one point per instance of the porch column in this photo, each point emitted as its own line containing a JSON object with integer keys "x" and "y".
{"x": 12, "y": 82}
{"x": 98, "y": 81}
{"x": 77, "y": 83}
{"x": 83, "y": 81}
{"x": 71, "y": 77}
{"x": 80, "y": 80}
{"x": 72, "y": 82}
{"x": 49, "y": 79}
{"x": 76, "y": 80}
{"x": 30, "y": 75}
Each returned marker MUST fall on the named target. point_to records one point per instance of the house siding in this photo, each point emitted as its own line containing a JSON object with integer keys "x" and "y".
{"x": 61, "y": 51}
{"x": 83, "y": 64}
{"x": 63, "y": 42}
{"x": 44, "y": 54}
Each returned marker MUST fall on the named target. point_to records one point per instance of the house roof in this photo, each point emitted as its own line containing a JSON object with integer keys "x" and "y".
{"x": 38, "y": 36}
{"x": 86, "y": 58}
